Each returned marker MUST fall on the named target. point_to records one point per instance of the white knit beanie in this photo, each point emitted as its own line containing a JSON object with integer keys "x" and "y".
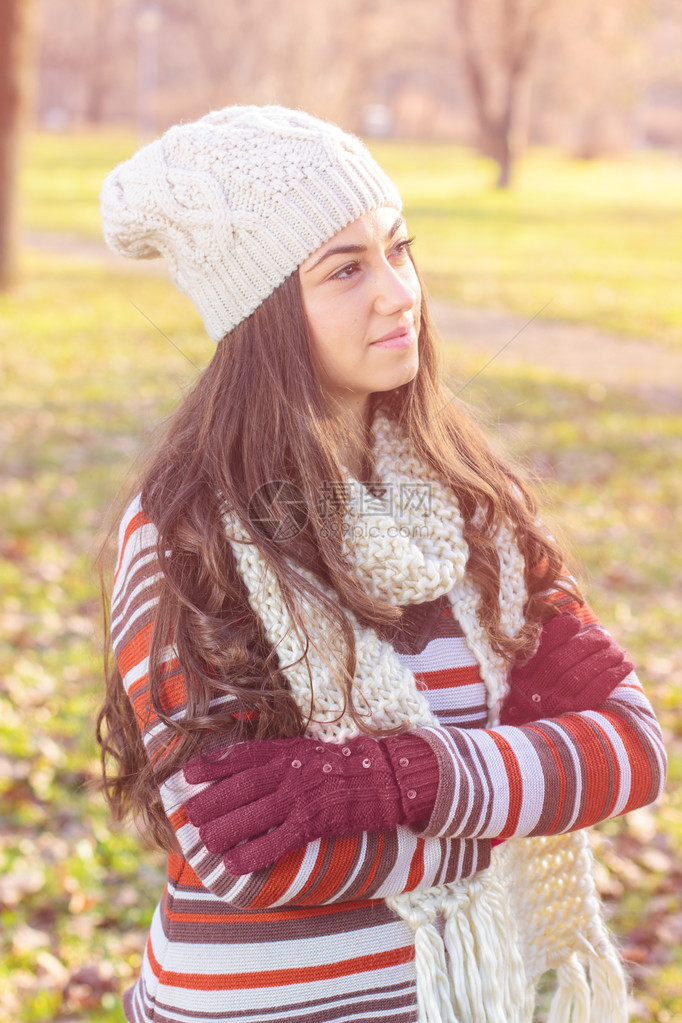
{"x": 237, "y": 201}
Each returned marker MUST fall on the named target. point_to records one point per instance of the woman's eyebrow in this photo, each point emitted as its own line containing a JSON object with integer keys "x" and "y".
{"x": 338, "y": 250}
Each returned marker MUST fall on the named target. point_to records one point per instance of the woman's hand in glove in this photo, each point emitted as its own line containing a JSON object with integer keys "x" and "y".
{"x": 271, "y": 796}
{"x": 570, "y": 671}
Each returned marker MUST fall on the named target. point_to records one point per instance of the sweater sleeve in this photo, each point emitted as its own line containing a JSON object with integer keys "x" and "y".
{"x": 364, "y": 866}
{"x": 560, "y": 773}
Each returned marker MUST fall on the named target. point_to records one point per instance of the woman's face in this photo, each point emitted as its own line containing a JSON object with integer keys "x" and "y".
{"x": 362, "y": 301}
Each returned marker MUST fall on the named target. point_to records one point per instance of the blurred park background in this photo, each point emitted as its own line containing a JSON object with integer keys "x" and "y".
{"x": 537, "y": 146}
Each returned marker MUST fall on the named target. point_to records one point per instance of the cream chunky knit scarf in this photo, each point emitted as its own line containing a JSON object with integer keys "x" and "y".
{"x": 481, "y": 944}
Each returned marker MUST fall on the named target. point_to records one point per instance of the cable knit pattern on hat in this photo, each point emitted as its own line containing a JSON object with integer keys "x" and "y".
{"x": 236, "y": 201}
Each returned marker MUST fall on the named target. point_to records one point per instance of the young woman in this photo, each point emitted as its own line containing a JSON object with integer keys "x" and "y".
{"x": 357, "y": 698}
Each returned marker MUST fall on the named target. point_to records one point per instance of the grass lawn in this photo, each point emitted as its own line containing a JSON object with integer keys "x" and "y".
{"x": 600, "y": 241}
{"x": 85, "y": 379}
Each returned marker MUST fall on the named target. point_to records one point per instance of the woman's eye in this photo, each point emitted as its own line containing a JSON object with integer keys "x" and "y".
{"x": 344, "y": 272}
{"x": 404, "y": 246}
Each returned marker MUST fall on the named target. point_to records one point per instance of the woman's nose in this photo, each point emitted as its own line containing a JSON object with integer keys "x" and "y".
{"x": 396, "y": 290}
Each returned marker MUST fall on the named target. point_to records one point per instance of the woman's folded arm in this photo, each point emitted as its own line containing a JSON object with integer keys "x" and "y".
{"x": 363, "y": 866}
{"x": 549, "y": 776}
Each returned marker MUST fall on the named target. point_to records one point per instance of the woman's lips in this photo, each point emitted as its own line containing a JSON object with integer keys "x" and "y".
{"x": 401, "y": 339}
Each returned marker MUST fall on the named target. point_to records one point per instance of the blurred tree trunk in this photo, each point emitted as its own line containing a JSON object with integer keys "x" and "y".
{"x": 499, "y": 39}
{"x": 15, "y": 66}
{"x": 98, "y": 76}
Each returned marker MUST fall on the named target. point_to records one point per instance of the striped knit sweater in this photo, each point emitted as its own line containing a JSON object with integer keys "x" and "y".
{"x": 311, "y": 938}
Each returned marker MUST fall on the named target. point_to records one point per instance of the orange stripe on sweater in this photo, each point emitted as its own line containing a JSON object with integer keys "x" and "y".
{"x": 597, "y": 763}
{"x": 375, "y": 865}
{"x": 136, "y": 649}
{"x": 344, "y": 852}
{"x": 279, "y": 978}
{"x": 641, "y": 777}
{"x": 449, "y": 678}
{"x": 273, "y": 916}
{"x": 137, "y": 521}
{"x": 515, "y": 784}
{"x": 314, "y": 873}
{"x": 173, "y": 693}
{"x": 179, "y": 818}
{"x": 416, "y": 867}
{"x": 564, "y": 602}
{"x": 282, "y": 877}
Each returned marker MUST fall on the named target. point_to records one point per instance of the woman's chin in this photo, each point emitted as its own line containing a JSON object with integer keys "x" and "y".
{"x": 404, "y": 376}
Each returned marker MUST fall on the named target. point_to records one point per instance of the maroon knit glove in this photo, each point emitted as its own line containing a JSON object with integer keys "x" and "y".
{"x": 273, "y": 796}
{"x": 571, "y": 671}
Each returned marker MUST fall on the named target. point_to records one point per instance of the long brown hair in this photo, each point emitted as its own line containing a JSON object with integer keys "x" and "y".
{"x": 257, "y": 414}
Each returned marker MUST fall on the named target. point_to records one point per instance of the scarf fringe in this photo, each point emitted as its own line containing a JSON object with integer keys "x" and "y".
{"x": 609, "y": 984}
{"x": 604, "y": 999}
{"x": 434, "y": 999}
{"x": 474, "y": 974}
{"x": 462, "y": 949}
{"x": 482, "y": 965}
{"x": 494, "y": 938}
{"x": 572, "y": 1001}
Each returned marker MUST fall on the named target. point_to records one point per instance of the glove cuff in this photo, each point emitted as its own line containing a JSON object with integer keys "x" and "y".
{"x": 416, "y": 770}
